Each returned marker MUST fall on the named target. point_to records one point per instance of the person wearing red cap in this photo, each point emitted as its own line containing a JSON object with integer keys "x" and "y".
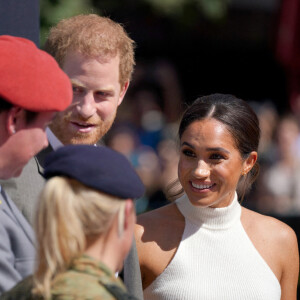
{"x": 98, "y": 56}
{"x": 84, "y": 226}
{"x": 28, "y": 102}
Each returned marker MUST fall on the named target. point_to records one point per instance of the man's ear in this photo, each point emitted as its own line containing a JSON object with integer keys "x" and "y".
{"x": 15, "y": 117}
{"x": 123, "y": 92}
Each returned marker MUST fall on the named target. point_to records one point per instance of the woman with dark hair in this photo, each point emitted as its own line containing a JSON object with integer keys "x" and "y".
{"x": 205, "y": 245}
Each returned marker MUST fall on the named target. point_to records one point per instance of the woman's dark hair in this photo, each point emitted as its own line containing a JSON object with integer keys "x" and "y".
{"x": 240, "y": 120}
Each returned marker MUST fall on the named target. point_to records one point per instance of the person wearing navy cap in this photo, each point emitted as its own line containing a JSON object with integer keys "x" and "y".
{"x": 97, "y": 54}
{"x": 32, "y": 89}
{"x": 84, "y": 225}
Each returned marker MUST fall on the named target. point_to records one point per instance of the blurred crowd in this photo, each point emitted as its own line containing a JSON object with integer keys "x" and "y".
{"x": 146, "y": 127}
{"x": 277, "y": 190}
{"x": 146, "y": 132}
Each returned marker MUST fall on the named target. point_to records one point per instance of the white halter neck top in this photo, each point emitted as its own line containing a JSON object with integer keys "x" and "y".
{"x": 215, "y": 260}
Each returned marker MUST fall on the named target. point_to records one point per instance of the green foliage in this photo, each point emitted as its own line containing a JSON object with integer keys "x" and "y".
{"x": 212, "y": 9}
{"x": 52, "y": 11}
{"x": 168, "y": 7}
{"x": 185, "y": 12}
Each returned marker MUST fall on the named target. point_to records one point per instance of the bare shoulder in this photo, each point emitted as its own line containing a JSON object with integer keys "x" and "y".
{"x": 268, "y": 225}
{"x": 162, "y": 214}
{"x": 277, "y": 243}
{"x": 158, "y": 223}
{"x": 270, "y": 233}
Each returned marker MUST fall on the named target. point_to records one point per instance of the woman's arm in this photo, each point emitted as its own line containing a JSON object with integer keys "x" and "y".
{"x": 290, "y": 264}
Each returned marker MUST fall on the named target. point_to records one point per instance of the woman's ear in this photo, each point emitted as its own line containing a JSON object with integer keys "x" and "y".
{"x": 249, "y": 162}
{"x": 15, "y": 117}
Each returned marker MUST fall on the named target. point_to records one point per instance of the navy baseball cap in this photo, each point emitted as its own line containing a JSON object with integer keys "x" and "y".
{"x": 100, "y": 168}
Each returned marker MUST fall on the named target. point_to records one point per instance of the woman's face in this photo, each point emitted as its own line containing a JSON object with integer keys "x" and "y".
{"x": 210, "y": 165}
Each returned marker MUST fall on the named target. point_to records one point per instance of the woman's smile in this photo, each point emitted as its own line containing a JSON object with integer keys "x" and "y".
{"x": 210, "y": 164}
{"x": 204, "y": 187}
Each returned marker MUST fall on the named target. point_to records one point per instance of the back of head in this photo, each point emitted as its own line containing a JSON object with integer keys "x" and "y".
{"x": 85, "y": 190}
{"x": 93, "y": 36}
{"x": 31, "y": 78}
{"x": 69, "y": 214}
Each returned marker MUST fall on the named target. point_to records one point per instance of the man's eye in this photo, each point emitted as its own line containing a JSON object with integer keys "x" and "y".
{"x": 77, "y": 89}
{"x": 102, "y": 94}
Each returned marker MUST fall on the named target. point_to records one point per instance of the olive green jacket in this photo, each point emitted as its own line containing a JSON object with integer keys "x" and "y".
{"x": 85, "y": 279}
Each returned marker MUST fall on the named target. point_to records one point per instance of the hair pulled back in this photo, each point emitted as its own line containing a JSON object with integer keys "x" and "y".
{"x": 240, "y": 120}
{"x": 68, "y": 214}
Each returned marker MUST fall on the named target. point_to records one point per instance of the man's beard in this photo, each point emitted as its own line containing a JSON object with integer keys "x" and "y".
{"x": 60, "y": 127}
{"x": 94, "y": 137}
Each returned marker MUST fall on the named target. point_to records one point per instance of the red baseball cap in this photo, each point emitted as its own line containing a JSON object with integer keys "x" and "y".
{"x": 31, "y": 78}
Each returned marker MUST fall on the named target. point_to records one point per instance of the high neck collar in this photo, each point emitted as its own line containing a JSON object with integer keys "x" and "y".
{"x": 207, "y": 217}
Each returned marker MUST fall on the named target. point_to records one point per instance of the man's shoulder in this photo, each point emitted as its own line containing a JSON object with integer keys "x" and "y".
{"x": 29, "y": 173}
{"x": 24, "y": 190}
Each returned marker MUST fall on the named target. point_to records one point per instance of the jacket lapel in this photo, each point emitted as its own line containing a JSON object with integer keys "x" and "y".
{"x": 40, "y": 158}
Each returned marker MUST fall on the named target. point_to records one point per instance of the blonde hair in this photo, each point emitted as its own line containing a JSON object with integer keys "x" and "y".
{"x": 93, "y": 36}
{"x": 68, "y": 214}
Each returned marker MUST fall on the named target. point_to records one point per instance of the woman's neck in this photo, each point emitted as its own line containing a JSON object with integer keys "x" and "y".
{"x": 103, "y": 248}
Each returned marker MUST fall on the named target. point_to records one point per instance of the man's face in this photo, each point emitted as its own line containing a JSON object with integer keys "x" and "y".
{"x": 96, "y": 96}
{"x": 27, "y": 141}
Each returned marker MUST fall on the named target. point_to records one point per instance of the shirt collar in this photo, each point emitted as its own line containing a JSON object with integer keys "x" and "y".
{"x": 53, "y": 140}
